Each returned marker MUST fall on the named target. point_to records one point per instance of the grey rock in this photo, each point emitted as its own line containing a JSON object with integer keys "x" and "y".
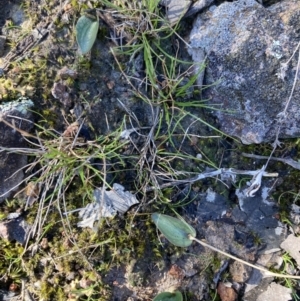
{"x": 275, "y": 292}
{"x": 294, "y": 214}
{"x": 246, "y": 46}
{"x": 257, "y": 278}
{"x": 239, "y": 272}
{"x": 15, "y": 230}
{"x": 11, "y": 164}
{"x": 292, "y": 246}
{"x": 198, "y": 6}
{"x": 176, "y": 9}
{"x": 6, "y": 295}
{"x": 17, "y": 14}
{"x": 232, "y": 238}
{"x": 253, "y": 294}
{"x": 258, "y": 214}
{"x": 211, "y": 206}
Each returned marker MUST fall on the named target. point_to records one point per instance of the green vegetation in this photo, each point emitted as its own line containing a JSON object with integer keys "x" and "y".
{"x": 166, "y": 296}
{"x": 65, "y": 168}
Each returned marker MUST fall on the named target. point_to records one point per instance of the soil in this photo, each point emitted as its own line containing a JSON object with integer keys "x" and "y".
{"x": 137, "y": 263}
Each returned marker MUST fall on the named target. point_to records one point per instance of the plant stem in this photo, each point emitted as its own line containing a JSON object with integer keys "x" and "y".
{"x": 271, "y": 274}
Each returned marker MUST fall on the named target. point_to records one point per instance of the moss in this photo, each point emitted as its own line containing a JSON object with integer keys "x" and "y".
{"x": 103, "y": 33}
{"x": 82, "y": 252}
{"x": 7, "y": 89}
{"x": 10, "y": 263}
{"x": 258, "y": 241}
{"x": 50, "y": 117}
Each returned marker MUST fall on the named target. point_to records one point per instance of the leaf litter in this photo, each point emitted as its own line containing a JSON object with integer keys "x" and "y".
{"x": 107, "y": 204}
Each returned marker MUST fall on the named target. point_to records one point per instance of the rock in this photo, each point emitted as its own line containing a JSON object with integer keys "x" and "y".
{"x": 198, "y": 6}
{"x": 226, "y": 293}
{"x": 247, "y": 46}
{"x": 294, "y": 214}
{"x": 259, "y": 215}
{"x": 253, "y": 294}
{"x": 239, "y": 272}
{"x": 6, "y": 295}
{"x": 66, "y": 73}
{"x": 292, "y": 246}
{"x": 15, "y": 229}
{"x": 212, "y": 206}
{"x": 62, "y": 92}
{"x": 234, "y": 239}
{"x": 275, "y": 292}
{"x": 17, "y": 14}
{"x": 176, "y": 9}
{"x": 11, "y": 173}
{"x": 258, "y": 281}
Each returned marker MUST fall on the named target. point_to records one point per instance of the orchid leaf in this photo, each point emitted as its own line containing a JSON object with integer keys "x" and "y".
{"x": 86, "y": 33}
{"x": 166, "y": 296}
{"x": 177, "y": 231}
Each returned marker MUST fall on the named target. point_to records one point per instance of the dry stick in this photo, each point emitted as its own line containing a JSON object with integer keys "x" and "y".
{"x": 283, "y": 115}
{"x": 243, "y": 261}
{"x": 210, "y": 174}
{"x": 288, "y": 161}
{"x": 23, "y": 133}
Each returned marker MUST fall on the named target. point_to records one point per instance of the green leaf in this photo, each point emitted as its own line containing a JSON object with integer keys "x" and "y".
{"x": 165, "y": 296}
{"x": 86, "y": 33}
{"x": 176, "y": 230}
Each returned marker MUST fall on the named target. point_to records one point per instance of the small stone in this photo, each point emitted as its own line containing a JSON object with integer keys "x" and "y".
{"x": 275, "y": 292}
{"x": 66, "y": 73}
{"x": 238, "y": 272}
{"x": 292, "y": 246}
{"x": 226, "y": 293}
{"x": 17, "y": 15}
{"x": 176, "y": 9}
{"x": 16, "y": 229}
{"x": 176, "y": 272}
{"x": 61, "y": 92}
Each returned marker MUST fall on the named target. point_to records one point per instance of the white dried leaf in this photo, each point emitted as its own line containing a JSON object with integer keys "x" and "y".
{"x": 255, "y": 183}
{"x": 126, "y": 133}
{"x": 93, "y": 212}
{"x": 13, "y": 215}
{"x": 107, "y": 204}
{"x": 283, "y": 70}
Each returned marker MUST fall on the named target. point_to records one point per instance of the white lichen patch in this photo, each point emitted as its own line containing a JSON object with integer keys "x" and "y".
{"x": 22, "y": 104}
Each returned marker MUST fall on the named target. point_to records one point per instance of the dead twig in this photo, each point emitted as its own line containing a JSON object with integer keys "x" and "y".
{"x": 264, "y": 270}
{"x": 254, "y": 183}
{"x": 289, "y": 161}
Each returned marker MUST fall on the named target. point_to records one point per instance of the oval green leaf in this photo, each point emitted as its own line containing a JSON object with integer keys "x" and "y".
{"x": 86, "y": 33}
{"x": 176, "y": 230}
{"x": 165, "y": 296}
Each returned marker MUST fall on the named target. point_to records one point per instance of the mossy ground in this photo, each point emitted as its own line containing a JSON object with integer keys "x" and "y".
{"x": 69, "y": 263}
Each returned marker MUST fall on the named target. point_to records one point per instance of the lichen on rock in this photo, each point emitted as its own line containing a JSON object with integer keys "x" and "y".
{"x": 246, "y": 46}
